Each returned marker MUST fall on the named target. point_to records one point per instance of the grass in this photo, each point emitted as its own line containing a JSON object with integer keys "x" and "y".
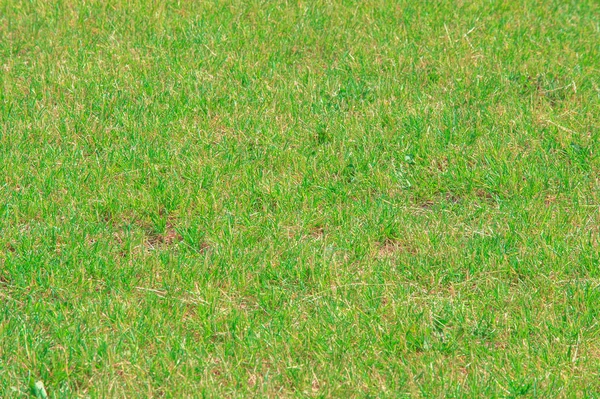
{"x": 300, "y": 199}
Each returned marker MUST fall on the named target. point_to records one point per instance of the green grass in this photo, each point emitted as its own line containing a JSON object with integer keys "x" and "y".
{"x": 300, "y": 199}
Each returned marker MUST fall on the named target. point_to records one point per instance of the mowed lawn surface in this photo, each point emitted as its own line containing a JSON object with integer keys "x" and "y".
{"x": 300, "y": 199}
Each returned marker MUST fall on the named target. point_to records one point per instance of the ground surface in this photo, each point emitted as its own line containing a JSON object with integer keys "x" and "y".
{"x": 319, "y": 198}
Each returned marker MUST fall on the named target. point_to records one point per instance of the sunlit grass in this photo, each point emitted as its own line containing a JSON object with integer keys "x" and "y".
{"x": 326, "y": 198}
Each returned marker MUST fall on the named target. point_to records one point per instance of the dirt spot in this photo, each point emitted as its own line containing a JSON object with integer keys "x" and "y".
{"x": 252, "y": 380}
{"x": 391, "y": 247}
{"x": 317, "y": 231}
{"x": 203, "y": 247}
{"x": 189, "y": 312}
{"x": 484, "y": 195}
{"x": 315, "y": 385}
{"x": 89, "y": 240}
{"x": 427, "y": 204}
{"x": 549, "y": 200}
{"x": 118, "y": 237}
{"x": 168, "y": 237}
{"x": 441, "y": 165}
{"x": 500, "y": 345}
{"x": 452, "y": 198}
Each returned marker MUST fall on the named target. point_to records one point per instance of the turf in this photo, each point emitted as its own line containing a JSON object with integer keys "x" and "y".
{"x": 300, "y": 199}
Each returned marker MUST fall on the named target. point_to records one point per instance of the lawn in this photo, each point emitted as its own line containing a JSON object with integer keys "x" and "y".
{"x": 327, "y": 198}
